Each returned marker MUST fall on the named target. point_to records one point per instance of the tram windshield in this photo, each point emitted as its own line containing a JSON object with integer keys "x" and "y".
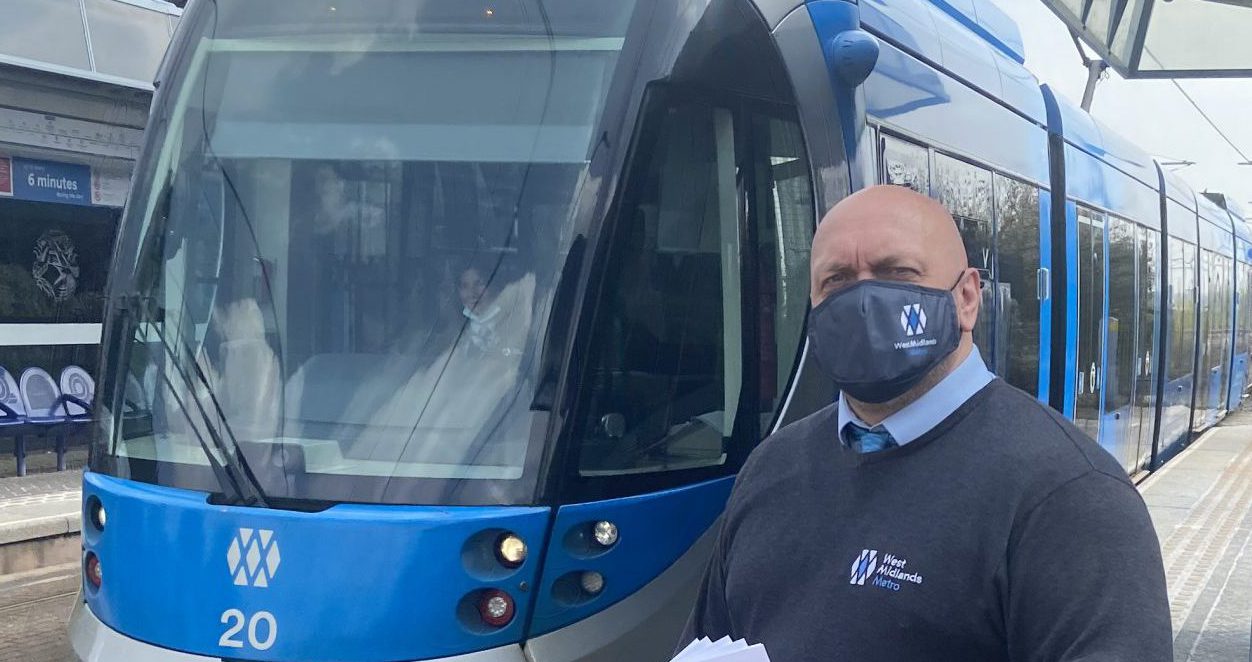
{"x": 346, "y": 239}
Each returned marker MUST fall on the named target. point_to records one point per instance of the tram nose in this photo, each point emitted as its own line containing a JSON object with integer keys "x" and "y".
{"x": 364, "y": 581}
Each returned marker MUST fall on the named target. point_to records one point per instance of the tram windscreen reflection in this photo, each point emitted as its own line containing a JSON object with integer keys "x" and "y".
{"x": 352, "y": 270}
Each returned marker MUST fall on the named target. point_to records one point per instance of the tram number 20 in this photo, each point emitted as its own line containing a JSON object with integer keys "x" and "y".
{"x": 234, "y": 621}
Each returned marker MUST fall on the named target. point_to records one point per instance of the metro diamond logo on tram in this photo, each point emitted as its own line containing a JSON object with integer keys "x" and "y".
{"x": 253, "y": 557}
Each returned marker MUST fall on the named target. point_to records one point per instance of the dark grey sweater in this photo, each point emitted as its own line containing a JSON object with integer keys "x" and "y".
{"x": 1002, "y": 534}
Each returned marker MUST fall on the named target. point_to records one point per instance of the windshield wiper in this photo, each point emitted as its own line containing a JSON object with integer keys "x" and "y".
{"x": 233, "y": 473}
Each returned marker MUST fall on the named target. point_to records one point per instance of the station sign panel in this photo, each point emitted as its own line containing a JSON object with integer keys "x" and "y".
{"x": 62, "y": 183}
{"x": 49, "y": 181}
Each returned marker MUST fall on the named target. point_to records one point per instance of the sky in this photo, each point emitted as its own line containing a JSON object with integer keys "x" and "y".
{"x": 1153, "y": 114}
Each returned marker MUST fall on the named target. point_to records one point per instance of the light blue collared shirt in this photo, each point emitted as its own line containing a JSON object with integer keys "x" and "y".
{"x": 924, "y": 413}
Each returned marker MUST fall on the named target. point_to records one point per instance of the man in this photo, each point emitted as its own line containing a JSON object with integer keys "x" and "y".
{"x": 935, "y": 512}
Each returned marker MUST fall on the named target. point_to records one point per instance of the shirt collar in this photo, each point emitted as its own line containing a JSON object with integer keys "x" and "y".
{"x": 924, "y": 413}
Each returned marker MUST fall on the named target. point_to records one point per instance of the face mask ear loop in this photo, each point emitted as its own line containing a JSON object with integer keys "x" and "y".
{"x": 959, "y": 278}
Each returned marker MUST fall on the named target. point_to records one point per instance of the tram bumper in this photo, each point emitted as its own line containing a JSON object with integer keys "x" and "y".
{"x": 351, "y": 583}
{"x": 94, "y": 641}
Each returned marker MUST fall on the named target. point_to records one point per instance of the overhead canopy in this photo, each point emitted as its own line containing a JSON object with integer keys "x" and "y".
{"x": 1165, "y": 38}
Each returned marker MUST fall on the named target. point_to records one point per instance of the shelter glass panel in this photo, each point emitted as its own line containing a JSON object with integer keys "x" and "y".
{"x": 45, "y": 30}
{"x": 1170, "y": 42}
{"x": 127, "y": 41}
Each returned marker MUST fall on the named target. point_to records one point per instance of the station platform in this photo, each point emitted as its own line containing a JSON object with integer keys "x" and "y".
{"x": 39, "y": 521}
{"x": 1201, "y": 504}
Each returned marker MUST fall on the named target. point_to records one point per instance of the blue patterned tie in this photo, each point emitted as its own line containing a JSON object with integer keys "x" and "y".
{"x": 870, "y": 441}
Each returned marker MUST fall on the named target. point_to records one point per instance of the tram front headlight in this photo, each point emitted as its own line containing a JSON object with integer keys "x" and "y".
{"x": 98, "y": 516}
{"x": 605, "y": 533}
{"x": 511, "y": 550}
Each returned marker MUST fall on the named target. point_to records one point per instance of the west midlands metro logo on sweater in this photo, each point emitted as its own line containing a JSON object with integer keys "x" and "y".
{"x": 888, "y": 572}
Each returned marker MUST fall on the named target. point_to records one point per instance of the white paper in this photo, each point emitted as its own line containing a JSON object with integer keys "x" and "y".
{"x": 722, "y": 650}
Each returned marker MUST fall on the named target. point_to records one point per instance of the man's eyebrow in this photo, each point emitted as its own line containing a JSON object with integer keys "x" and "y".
{"x": 895, "y": 261}
{"x": 832, "y": 268}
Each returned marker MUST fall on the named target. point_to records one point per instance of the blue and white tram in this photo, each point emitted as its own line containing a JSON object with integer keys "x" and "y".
{"x": 439, "y": 330}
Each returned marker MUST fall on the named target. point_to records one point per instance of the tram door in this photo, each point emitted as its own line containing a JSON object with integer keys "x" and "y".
{"x": 1089, "y": 372}
{"x": 1146, "y": 395}
{"x": 1120, "y": 430}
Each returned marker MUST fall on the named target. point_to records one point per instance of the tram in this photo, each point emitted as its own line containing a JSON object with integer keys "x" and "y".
{"x": 439, "y": 329}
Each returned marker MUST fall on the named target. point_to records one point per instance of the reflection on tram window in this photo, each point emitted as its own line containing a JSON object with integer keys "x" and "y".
{"x": 349, "y": 279}
{"x": 905, "y": 164}
{"x": 667, "y": 375}
{"x": 1091, "y": 297}
{"x": 965, "y": 190}
{"x": 1017, "y": 270}
{"x": 666, "y": 382}
{"x": 54, "y": 261}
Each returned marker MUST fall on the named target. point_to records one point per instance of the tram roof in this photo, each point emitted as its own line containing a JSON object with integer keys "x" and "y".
{"x": 988, "y": 21}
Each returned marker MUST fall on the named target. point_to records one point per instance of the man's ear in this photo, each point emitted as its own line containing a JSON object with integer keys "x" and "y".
{"x": 968, "y": 295}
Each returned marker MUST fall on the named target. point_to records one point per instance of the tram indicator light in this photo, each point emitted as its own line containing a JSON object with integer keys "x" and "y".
{"x": 496, "y": 608}
{"x": 592, "y": 582}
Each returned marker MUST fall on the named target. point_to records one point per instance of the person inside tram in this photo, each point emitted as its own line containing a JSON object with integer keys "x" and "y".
{"x": 479, "y": 306}
{"x": 934, "y": 512}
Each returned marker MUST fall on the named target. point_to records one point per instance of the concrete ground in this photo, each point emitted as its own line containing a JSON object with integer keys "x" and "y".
{"x": 34, "y": 609}
{"x": 1201, "y": 504}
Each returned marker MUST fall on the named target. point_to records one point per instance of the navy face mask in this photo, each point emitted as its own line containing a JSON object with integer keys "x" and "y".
{"x": 877, "y": 339}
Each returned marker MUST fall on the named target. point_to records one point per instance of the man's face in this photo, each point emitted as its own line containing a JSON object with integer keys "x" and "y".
{"x": 472, "y": 289}
{"x": 887, "y": 235}
{"x": 875, "y": 247}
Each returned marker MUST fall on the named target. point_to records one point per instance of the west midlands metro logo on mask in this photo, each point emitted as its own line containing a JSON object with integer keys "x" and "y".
{"x": 913, "y": 319}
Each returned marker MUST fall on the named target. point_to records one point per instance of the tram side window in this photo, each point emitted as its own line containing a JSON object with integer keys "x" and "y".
{"x": 1206, "y": 325}
{"x": 1182, "y": 308}
{"x": 672, "y": 349}
{"x": 1121, "y": 316}
{"x": 782, "y": 228}
{"x": 1017, "y": 286}
{"x": 905, "y": 164}
{"x": 965, "y": 190}
{"x": 1244, "y": 310}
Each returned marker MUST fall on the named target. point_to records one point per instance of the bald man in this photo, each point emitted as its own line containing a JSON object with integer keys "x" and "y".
{"x": 934, "y": 512}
